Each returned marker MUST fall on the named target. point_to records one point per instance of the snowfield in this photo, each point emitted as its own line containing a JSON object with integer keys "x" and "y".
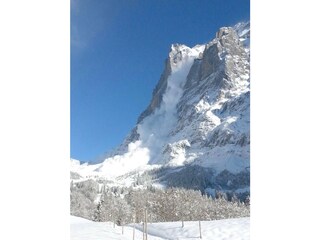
{"x": 227, "y": 229}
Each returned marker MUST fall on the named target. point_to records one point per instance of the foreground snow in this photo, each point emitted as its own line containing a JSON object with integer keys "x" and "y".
{"x": 231, "y": 229}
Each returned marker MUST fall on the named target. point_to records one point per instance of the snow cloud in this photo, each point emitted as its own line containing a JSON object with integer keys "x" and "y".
{"x": 155, "y": 129}
{"x": 120, "y": 164}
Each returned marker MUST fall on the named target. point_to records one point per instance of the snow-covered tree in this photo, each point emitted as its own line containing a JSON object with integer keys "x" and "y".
{"x": 121, "y": 205}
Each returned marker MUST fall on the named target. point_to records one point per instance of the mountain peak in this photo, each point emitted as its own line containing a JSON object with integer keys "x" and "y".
{"x": 176, "y": 47}
{"x": 198, "y": 115}
{"x": 181, "y": 52}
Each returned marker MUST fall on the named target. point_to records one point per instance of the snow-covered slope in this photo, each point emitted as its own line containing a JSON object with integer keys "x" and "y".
{"x": 199, "y": 115}
{"x": 231, "y": 229}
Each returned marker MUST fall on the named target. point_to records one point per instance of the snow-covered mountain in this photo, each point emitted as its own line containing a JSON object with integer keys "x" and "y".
{"x": 197, "y": 123}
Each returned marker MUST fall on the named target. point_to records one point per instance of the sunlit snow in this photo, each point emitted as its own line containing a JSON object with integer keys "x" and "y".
{"x": 231, "y": 229}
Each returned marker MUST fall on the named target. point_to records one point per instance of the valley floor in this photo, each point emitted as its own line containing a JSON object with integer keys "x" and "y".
{"x": 227, "y": 229}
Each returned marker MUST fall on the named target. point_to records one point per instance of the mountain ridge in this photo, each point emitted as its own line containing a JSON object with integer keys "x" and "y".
{"x": 199, "y": 115}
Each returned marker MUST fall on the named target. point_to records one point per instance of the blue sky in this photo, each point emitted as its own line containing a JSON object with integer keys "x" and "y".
{"x": 118, "y": 49}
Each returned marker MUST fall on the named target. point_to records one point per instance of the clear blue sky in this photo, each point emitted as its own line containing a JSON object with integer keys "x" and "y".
{"x": 118, "y": 48}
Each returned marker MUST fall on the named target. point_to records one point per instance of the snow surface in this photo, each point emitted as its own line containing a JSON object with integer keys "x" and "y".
{"x": 227, "y": 229}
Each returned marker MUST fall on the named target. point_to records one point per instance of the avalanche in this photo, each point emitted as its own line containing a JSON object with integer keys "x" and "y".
{"x": 231, "y": 229}
{"x": 199, "y": 113}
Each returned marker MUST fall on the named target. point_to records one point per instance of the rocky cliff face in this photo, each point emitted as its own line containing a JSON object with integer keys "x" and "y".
{"x": 199, "y": 114}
